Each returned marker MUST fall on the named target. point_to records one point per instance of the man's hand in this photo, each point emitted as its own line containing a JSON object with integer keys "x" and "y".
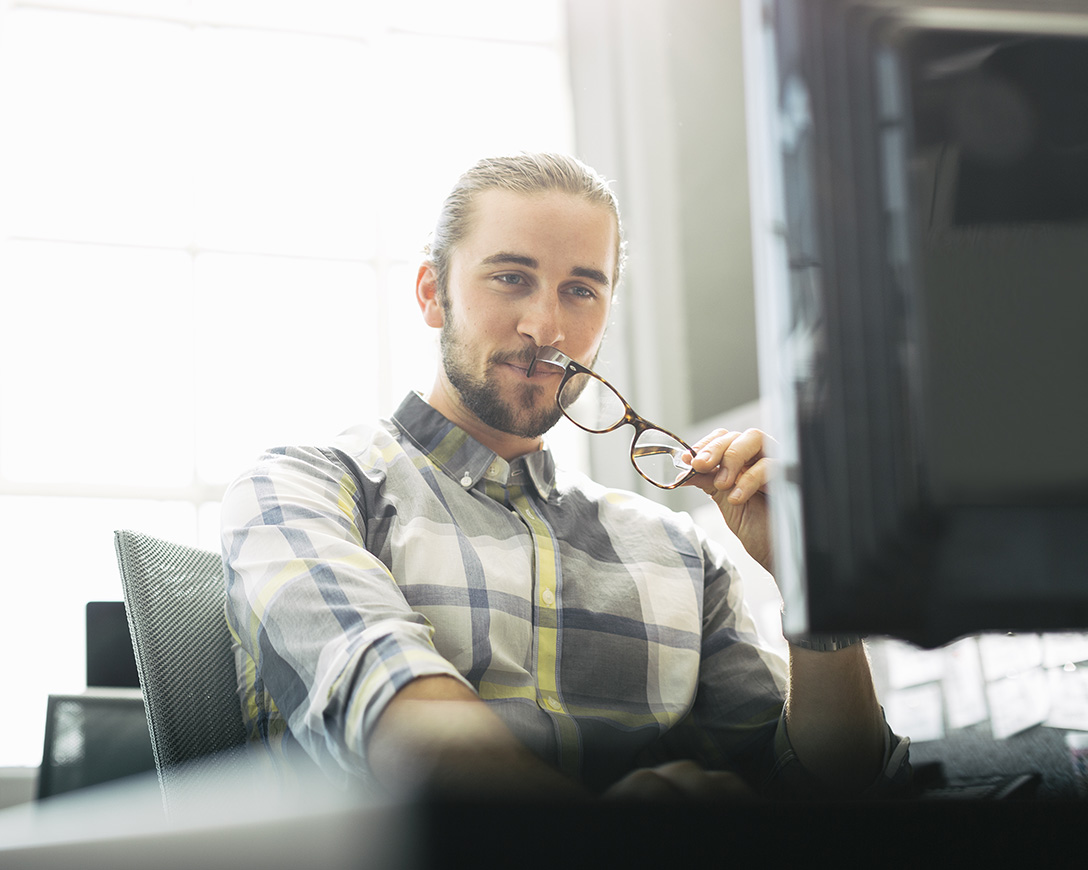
{"x": 680, "y": 780}
{"x": 733, "y": 468}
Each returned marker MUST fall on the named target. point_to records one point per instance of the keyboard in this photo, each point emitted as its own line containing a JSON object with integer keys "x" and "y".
{"x": 993, "y": 787}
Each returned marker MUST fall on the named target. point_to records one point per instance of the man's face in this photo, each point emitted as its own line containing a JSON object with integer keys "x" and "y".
{"x": 534, "y": 270}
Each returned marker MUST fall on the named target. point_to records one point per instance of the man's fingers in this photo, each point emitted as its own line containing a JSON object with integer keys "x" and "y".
{"x": 754, "y": 479}
{"x": 680, "y": 779}
{"x": 738, "y": 451}
{"x": 733, "y": 462}
{"x": 646, "y": 784}
{"x": 709, "y": 449}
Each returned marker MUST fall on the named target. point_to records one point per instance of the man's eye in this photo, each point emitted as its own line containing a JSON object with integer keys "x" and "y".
{"x": 584, "y": 292}
{"x": 511, "y": 278}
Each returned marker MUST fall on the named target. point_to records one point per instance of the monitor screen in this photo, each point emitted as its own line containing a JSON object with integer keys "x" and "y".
{"x": 921, "y": 224}
{"x": 111, "y": 661}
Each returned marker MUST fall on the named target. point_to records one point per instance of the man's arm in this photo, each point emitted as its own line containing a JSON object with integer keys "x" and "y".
{"x": 436, "y": 734}
{"x": 833, "y": 717}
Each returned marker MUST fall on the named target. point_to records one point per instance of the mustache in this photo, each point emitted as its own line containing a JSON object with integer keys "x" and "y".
{"x": 523, "y": 358}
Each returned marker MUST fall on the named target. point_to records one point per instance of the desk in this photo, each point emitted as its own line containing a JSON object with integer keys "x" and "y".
{"x": 252, "y": 823}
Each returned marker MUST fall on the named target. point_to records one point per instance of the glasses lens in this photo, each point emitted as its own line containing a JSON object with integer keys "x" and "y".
{"x": 657, "y": 455}
{"x": 591, "y": 403}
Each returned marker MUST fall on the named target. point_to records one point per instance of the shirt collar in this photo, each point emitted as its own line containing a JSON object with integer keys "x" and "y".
{"x": 464, "y": 458}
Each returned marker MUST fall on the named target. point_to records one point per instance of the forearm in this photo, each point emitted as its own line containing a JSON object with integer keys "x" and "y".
{"x": 436, "y": 734}
{"x": 834, "y": 719}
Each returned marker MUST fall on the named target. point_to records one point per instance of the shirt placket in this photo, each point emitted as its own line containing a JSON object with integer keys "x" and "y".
{"x": 546, "y": 618}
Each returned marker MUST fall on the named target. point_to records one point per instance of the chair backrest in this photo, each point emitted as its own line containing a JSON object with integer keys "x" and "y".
{"x": 174, "y": 599}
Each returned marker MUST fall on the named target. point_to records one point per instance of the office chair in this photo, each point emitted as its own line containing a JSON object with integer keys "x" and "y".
{"x": 174, "y": 599}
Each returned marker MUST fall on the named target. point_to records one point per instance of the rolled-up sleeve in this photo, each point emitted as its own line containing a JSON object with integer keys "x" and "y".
{"x": 323, "y": 635}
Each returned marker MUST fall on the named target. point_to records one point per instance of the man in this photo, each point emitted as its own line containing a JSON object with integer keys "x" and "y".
{"x": 430, "y": 601}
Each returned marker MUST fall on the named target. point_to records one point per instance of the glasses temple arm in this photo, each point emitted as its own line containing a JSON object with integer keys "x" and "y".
{"x": 548, "y": 355}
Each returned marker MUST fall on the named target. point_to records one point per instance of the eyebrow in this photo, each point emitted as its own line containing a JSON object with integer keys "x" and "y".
{"x": 592, "y": 275}
{"x": 589, "y": 274}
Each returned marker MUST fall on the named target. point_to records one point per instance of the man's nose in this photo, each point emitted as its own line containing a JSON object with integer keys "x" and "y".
{"x": 542, "y": 319}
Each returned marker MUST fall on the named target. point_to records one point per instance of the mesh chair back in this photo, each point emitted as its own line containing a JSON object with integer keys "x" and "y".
{"x": 175, "y": 598}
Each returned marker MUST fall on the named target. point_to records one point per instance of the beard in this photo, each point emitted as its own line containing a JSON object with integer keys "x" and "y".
{"x": 522, "y": 415}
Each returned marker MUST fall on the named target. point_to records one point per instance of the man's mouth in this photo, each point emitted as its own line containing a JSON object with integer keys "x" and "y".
{"x": 525, "y": 366}
{"x": 540, "y": 374}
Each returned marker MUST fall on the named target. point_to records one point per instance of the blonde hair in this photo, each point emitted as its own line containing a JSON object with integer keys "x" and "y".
{"x": 520, "y": 173}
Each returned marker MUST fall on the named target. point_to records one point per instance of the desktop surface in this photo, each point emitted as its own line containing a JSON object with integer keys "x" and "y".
{"x": 250, "y": 823}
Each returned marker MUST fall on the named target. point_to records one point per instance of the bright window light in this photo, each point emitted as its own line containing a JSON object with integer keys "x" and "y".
{"x": 96, "y": 365}
{"x": 211, "y": 216}
{"x": 291, "y": 352}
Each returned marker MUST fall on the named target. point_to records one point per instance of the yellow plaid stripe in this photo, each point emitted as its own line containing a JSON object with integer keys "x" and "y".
{"x": 546, "y": 599}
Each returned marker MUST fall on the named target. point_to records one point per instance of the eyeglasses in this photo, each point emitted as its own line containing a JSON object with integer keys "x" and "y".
{"x": 593, "y": 404}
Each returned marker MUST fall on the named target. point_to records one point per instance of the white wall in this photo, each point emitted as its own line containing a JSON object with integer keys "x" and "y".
{"x": 659, "y": 107}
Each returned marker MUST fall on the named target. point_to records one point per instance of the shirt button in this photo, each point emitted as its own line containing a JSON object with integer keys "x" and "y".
{"x": 554, "y": 704}
{"x": 547, "y": 596}
{"x": 466, "y": 480}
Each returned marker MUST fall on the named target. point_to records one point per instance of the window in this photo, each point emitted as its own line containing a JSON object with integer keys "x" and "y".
{"x": 211, "y": 213}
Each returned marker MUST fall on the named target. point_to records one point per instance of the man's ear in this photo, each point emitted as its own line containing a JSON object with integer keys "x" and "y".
{"x": 427, "y": 296}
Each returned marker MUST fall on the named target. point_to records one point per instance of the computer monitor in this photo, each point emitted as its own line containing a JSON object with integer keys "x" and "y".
{"x": 920, "y": 215}
{"x": 111, "y": 662}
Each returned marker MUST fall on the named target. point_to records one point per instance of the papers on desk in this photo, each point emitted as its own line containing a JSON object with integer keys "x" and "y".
{"x": 963, "y": 685}
{"x": 1018, "y": 702}
{"x": 1068, "y": 698}
{"x": 916, "y": 712}
{"x": 1014, "y": 681}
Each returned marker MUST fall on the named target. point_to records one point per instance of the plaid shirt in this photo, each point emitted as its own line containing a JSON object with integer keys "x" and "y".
{"x": 605, "y": 630}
